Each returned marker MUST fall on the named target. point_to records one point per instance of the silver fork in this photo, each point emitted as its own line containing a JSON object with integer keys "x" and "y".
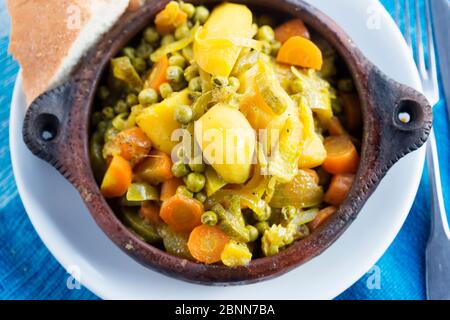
{"x": 438, "y": 247}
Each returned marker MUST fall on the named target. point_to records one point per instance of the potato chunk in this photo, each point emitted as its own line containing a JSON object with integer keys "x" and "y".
{"x": 158, "y": 121}
{"x": 215, "y": 46}
{"x": 227, "y": 141}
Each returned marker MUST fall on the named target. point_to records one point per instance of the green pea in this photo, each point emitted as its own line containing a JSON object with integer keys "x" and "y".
{"x": 183, "y": 190}
{"x": 167, "y": 39}
{"x": 151, "y": 35}
{"x": 234, "y": 83}
{"x": 129, "y": 52}
{"x": 121, "y": 107}
{"x": 165, "y": 90}
{"x": 197, "y": 167}
{"x": 132, "y": 100}
{"x": 296, "y": 86}
{"x": 345, "y": 85}
{"x": 108, "y": 113}
{"x": 103, "y": 93}
{"x": 144, "y": 50}
{"x": 148, "y": 96}
{"x": 262, "y": 226}
{"x": 177, "y": 60}
{"x": 191, "y": 72}
{"x": 180, "y": 169}
{"x": 253, "y": 232}
{"x": 174, "y": 73}
{"x": 266, "y": 20}
{"x": 200, "y": 196}
{"x": 182, "y": 31}
{"x": 96, "y": 118}
{"x": 219, "y": 81}
{"x": 183, "y": 114}
{"x": 265, "y": 33}
{"x": 101, "y": 127}
{"x": 195, "y": 84}
{"x": 188, "y": 8}
{"x": 139, "y": 64}
{"x": 110, "y": 134}
{"x": 179, "y": 86}
{"x": 209, "y": 218}
{"x": 195, "y": 181}
{"x": 276, "y": 45}
{"x": 201, "y": 14}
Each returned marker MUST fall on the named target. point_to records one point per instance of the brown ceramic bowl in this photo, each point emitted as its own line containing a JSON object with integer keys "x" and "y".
{"x": 56, "y": 129}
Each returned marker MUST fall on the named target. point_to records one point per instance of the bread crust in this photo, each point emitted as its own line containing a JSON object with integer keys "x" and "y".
{"x": 44, "y": 34}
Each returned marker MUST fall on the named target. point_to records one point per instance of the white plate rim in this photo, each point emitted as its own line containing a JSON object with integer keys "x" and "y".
{"x": 376, "y": 253}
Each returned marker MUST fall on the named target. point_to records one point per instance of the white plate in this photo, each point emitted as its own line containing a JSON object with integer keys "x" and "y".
{"x": 66, "y": 227}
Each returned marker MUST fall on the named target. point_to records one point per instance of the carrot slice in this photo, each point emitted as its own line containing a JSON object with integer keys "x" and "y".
{"x": 157, "y": 74}
{"x": 291, "y": 28}
{"x": 321, "y": 217}
{"x": 117, "y": 178}
{"x": 182, "y": 213}
{"x": 171, "y": 17}
{"x": 300, "y": 52}
{"x": 352, "y": 110}
{"x": 150, "y": 212}
{"x": 131, "y": 144}
{"x": 339, "y": 188}
{"x": 256, "y": 110}
{"x": 342, "y": 156}
{"x": 206, "y": 243}
{"x": 169, "y": 188}
{"x": 154, "y": 169}
{"x": 335, "y": 127}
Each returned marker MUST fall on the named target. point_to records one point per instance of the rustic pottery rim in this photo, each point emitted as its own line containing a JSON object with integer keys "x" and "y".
{"x": 64, "y": 113}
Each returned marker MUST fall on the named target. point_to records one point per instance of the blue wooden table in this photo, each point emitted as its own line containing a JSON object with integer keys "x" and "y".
{"x": 29, "y": 271}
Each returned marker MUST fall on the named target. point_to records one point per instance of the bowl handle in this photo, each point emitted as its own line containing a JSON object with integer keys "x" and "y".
{"x": 46, "y": 127}
{"x": 402, "y": 120}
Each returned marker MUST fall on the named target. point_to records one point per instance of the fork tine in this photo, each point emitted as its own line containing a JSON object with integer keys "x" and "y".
{"x": 420, "y": 53}
{"x": 397, "y": 13}
{"x": 407, "y": 33}
{"x": 431, "y": 61}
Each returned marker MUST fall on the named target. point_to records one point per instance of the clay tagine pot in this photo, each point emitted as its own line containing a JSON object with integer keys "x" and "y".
{"x": 56, "y": 129}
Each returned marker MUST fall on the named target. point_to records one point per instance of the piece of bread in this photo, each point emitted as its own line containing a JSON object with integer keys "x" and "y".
{"x": 49, "y": 37}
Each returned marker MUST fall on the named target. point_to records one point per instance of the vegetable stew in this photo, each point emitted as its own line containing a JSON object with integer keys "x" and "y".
{"x": 223, "y": 142}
